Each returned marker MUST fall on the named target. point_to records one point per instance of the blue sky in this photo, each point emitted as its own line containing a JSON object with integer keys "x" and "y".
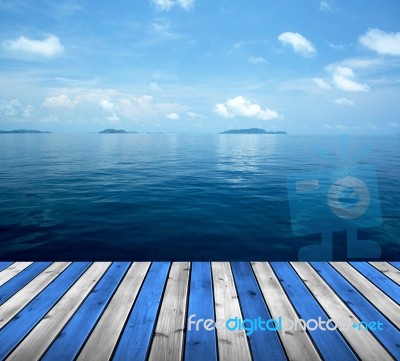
{"x": 200, "y": 66}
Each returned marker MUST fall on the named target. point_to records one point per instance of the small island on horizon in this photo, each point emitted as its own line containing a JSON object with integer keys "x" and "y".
{"x": 116, "y": 131}
{"x": 23, "y": 131}
{"x": 252, "y": 131}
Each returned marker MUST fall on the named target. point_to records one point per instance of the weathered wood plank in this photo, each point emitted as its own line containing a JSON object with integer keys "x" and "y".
{"x": 297, "y": 343}
{"x": 12, "y": 270}
{"x": 68, "y": 343}
{"x": 104, "y": 337}
{"x": 363, "y": 343}
{"x": 39, "y": 339}
{"x": 200, "y": 344}
{"x": 372, "y": 293}
{"x": 262, "y": 342}
{"x": 135, "y": 340}
{"x": 364, "y": 310}
{"x": 167, "y": 344}
{"x": 15, "y": 331}
{"x": 392, "y": 272}
{"x": 4, "y": 265}
{"x": 331, "y": 344}
{"x": 232, "y": 345}
{"x": 19, "y": 300}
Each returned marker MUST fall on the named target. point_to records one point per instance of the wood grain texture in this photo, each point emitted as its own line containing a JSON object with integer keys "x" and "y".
{"x": 392, "y": 272}
{"x": 168, "y": 338}
{"x": 104, "y": 337}
{"x": 232, "y": 345}
{"x": 35, "y": 344}
{"x": 12, "y": 270}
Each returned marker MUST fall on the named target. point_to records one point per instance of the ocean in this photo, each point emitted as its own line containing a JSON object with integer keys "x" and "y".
{"x": 188, "y": 197}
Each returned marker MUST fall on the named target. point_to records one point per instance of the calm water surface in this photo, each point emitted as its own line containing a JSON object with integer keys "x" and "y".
{"x": 174, "y": 197}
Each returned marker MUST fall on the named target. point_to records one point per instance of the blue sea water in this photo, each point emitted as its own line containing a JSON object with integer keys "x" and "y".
{"x": 178, "y": 197}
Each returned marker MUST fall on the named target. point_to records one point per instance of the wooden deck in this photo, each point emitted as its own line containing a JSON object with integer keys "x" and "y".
{"x": 139, "y": 311}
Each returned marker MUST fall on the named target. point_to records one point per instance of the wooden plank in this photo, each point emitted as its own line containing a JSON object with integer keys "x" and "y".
{"x": 379, "y": 280}
{"x": 104, "y": 337}
{"x": 331, "y": 345}
{"x": 21, "y": 279}
{"x": 136, "y": 337}
{"x": 72, "y": 338}
{"x": 19, "y": 300}
{"x": 392, "y": 272}
{"x": 39, "y": 339}
{"x": 363, "y": 309}
{"x": 4, "y": 265}
{"x": 372, "y": 293}
{"x": 14, "y": 332}
{"x": 262, "y": 342}
{"x": 363, "y": 343}
{"x": 395, "y": 264}
{"x": 12, "y": 270}
{"x": 200, "y": 344}
{"x": 167, "y": 344}
{"x": 232, "y": 345}
{"x": 297, "y": 342}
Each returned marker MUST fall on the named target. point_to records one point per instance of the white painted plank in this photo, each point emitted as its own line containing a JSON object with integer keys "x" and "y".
{"x": 232, "y": 345}
{"x": 12, "y": 271}
{"x": 297, "y": 343}
{"x": 372, "y": 293}
{"x": 104, "y": 337}
{"x": 168, "y": 340}
{"x": 40, "y": 338}
{"x": 18, "y": 301}
{"x": 363, "y": 343}
{"x": 390, "y": 271}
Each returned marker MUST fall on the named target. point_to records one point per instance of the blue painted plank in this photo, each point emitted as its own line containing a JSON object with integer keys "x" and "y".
{"x": 200, "y": 344}
{"x": 70, "y": 341}
{"x": 265, "y": 345}
{"x": 395, "y": 264}
{"x": 15, "y": 331}
{"x": 21, "y": 279}
{"x": 330, "y": 344}
{"x": 364, "y": 310}
{"x": 4, "y": 265}
{"x": 136, "y": 337}
{"x": 379, "y": 279}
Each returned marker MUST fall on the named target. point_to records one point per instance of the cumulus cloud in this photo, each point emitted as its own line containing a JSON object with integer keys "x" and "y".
{"x": 321, "y": 83}
{"x": 166, "y": 5}
{"x": 343, "y": 78}
{"x": 257, "y": 60}
{"x": 173, "y": 116}
{"x": 382, "y": 42}
{"x": 299, "y": 43}
{"x": 113, "y": 118}
{"x": 242, "y": 107}
{"x": 59, "y": 101}
{"x": 344, "y": 101}
{"x": 48, "y": 47}
{"x": 106, "y": 104}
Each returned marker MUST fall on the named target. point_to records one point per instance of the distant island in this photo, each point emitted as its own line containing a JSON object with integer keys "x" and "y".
{"x": 115, "y": 131}
{"x": 22, "y": 131}
{"x": 252, "y": 131}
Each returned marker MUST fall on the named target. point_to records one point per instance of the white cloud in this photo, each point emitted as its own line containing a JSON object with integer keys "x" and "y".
{"x": 106, "y": 104}
{"x": 325, "y": 6}
{"x": 195, "y": 115}
{"x": 59, "y": 101}
{"x": 48, "y": 47}
{"x": 154, "y": 86}
{"x": 343, "y": 77}
{"x": 321, "y": 83}
{"x": 162, "y": 29}
{"x": 381, "y": 42}
{"x": 166, "y": 5}
{"x": 257, "y": 60}
{"x": 336, "y": 126}
{"x": 299, "y": 43}
{"x": 344, "y": 101}
{"x": 242, "y": 107}
{"x": 372, "y": 126}
{"x": 113, "y": 118}
{"x": 173, "y": 116}
{"x": 393, "y": 125}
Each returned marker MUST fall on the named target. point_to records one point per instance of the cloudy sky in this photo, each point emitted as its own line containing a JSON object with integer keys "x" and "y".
{"x": 200, "y": 65}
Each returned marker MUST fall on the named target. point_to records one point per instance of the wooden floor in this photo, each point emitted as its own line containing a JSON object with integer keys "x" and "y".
{"x": 139, "y": 311}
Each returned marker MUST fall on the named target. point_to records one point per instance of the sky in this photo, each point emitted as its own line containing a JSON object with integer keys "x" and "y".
{"x": 200, "y": 66}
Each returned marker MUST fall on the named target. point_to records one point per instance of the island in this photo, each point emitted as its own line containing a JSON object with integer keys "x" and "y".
{"x": 252, "y": 131}
{"x": 116, "y": 131}
{"x": 23, "y": 131}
